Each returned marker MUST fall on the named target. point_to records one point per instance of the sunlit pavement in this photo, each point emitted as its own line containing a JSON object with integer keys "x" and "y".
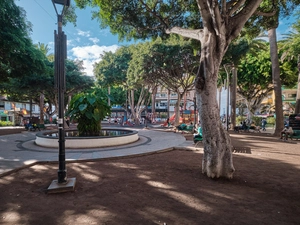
{"x": 18, "y": 150}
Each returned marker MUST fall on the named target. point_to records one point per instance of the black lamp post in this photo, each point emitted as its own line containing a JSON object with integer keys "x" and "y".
{"x": 62, "y": 184}
{"x": 60, "y": 55}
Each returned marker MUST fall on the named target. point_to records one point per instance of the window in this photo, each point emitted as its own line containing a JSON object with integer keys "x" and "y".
{"x": 291, "y": 95}
{"x": 1, "y": 104}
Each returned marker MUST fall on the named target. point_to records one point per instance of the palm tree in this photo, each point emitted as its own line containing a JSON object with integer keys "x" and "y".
{"x": 291, "y": 46}
{"x": 237, "y": 51}
{"x": 44, "y": 49}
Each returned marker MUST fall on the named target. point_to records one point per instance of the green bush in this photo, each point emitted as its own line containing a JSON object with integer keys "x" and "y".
{"x": 88, "y": 110}
{"x": 271, "y": 120}
{"x": 256, "y": 120}
{"x": 5, "y": 123}
{"x": 239, "y": 119}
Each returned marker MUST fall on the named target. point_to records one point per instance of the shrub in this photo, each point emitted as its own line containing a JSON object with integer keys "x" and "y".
{"x": 271, "y": 120}
{"x": 239, "y": 119}
{"x": 256, "y": 120}
{"x": 88, "y": 110}
{"x": 5, "y": 123}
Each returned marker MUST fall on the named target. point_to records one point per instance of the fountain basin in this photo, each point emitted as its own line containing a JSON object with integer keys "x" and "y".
{"x": 111, "y": 137}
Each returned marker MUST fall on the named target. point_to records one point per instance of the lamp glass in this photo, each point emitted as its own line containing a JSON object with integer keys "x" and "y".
{"x": 61, "y": 2}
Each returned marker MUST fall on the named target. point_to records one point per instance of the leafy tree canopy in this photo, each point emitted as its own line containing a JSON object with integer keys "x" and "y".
{"x": 18, "y": 56}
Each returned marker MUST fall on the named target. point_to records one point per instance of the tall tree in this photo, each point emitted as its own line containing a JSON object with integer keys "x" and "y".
{"x": 236, "y": 52}
{"x": 18, "y": 56}
{"x": 270, "y": 21}
{"x": 112, "y": 70}
{"x": 173, "y": 64}
{"x": 215, "y": 24}
{"x": 255, "y": 77}
{"x": 291, "y": 48}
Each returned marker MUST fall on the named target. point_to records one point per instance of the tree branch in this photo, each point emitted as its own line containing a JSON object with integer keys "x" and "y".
{"x": 268, "y": 14}
{"x": 193, "y": 34}
{"x": 234, "y": 6}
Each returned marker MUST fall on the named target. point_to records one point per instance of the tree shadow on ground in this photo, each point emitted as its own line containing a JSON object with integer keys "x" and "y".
{"x": 161, "y": 188}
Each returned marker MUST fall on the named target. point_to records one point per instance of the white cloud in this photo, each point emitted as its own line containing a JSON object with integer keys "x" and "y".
{"x": 94, "y": 40}
{"x": 91, "y": 54}
{"x": 84, "y": 33}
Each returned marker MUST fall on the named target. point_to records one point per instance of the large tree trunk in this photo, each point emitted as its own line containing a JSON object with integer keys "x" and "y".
{"x": 42, "y": 97}
{"x": 168, "y": 104}
{"x": 177, "y": 109}
{"x": 220, "y": 26}
{"x": 132, "y": 106}
{"x": 297, "y": 107}
{"x": 217, "y": 158}
{"x": 276, "y": 80}
{"x": 154, "y": 92}
{"x": 233, "y": 97}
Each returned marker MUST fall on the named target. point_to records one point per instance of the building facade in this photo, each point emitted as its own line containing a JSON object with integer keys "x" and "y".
{"x": 16, "y": 112}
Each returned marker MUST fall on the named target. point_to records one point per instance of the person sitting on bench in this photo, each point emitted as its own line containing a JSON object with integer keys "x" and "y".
{"x": 199, "y": 133}
{"x": 287, "y": 131}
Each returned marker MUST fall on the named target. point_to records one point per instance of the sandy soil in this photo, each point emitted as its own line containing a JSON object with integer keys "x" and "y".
{"x": 165, "y": 188}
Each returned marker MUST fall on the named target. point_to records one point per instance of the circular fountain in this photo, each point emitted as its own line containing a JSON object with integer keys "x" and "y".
{"x": 108, "y": 137}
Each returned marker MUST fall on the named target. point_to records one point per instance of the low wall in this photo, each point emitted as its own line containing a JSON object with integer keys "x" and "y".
{"x": 88, "y": 142}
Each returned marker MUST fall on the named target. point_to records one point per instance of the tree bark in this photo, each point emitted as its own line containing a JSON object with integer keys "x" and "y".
{"x": 154, "y": 92}
{"x": 177, "y": 109}
{"x": 42, "y": 97}
{"x": 220, "y": 26}
{"x": 217, "y": 158}
{"x": 233, "y": 97}
{"x": 276, "y": 80}
{"x": 297, "y": 107}
{"x": 168, "y": 104}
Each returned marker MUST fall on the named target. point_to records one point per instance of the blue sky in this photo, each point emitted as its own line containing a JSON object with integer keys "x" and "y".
{"x": 86, "y": 41}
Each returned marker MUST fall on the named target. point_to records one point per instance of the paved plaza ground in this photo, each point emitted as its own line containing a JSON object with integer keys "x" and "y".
{"x": 163, "y": 188}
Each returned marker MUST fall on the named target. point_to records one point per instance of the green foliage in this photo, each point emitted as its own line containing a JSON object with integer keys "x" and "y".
{"x": 271, "y": 120}
{"x": 290, "y": 46}
{"x": 117, "y": 94}
{"x": 240, "y": 119}
{"x": 255, "y": 78}
{"x": 112, "y": 68}
{"x": 18, "y": 56}
{"x": 5, "y": 123}
{"x": 256, "y": 120}
{"x": 144, "y": 19}
{"x": 170, "y": 63}
{"x": 88, "y": 110}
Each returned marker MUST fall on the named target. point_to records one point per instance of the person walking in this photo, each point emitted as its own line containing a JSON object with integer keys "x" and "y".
{"x": 263, "y": 124}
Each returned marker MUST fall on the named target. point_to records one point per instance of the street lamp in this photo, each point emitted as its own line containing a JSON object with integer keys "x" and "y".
{"x": 62, "y": 184}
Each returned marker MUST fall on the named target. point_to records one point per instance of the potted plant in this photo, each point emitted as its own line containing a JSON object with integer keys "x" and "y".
{"x": 88, "y": 110}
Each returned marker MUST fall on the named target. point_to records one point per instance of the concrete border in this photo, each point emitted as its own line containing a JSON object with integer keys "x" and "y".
{"x": 87, "y": 142}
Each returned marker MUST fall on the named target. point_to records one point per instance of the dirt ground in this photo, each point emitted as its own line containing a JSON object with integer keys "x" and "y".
{"x": 163, "y": 188}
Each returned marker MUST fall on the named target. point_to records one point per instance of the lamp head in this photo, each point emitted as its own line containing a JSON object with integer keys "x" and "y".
{"x": 62, "y": 2}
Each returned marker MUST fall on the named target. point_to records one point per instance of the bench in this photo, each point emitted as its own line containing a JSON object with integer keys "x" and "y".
{"x": 185, "y": 129}
{"x": 247, "y": 128}
{"x": 41, "y": 126}
{"x": 34, "y": 127}
{"x": 295, "y": 135}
